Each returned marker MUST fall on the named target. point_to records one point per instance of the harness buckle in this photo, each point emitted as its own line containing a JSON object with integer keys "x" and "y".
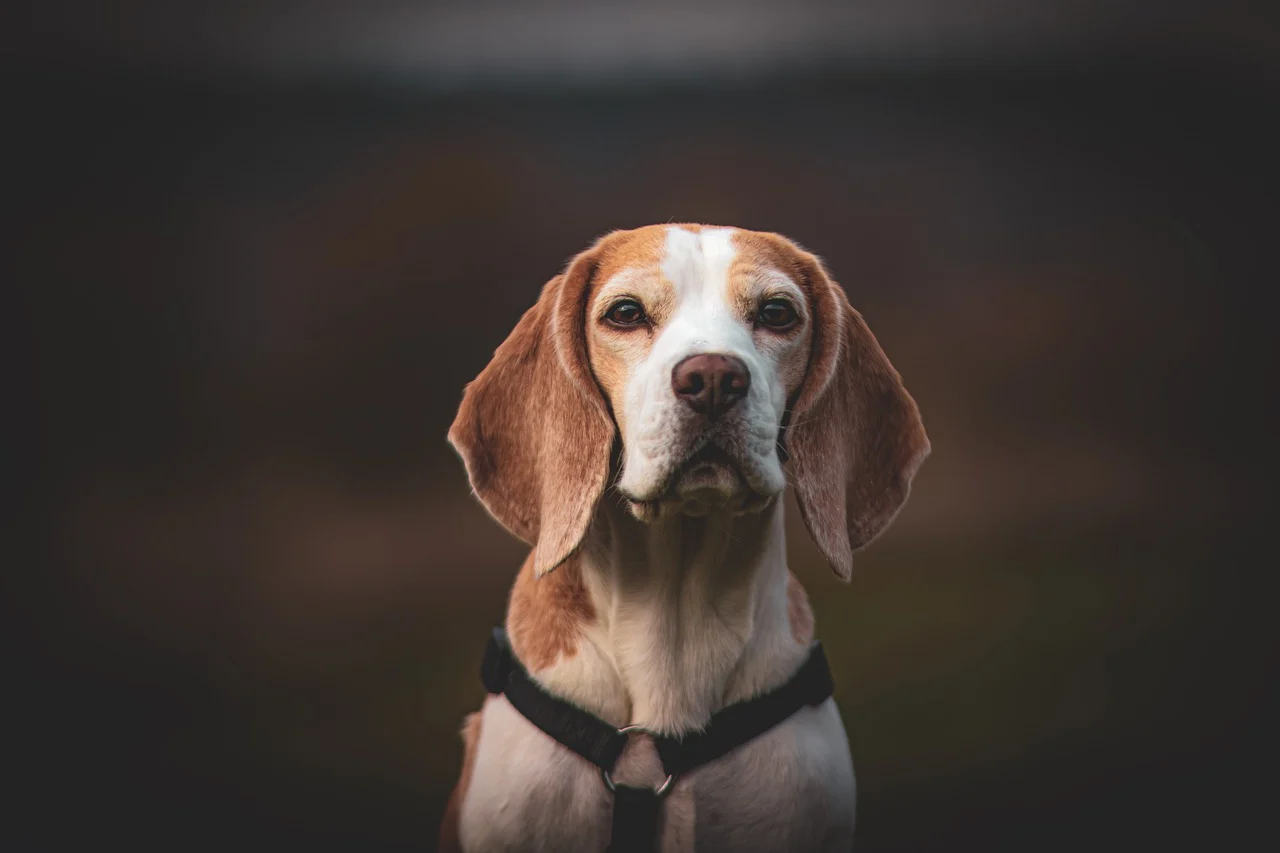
{"x": 662, "y": 790}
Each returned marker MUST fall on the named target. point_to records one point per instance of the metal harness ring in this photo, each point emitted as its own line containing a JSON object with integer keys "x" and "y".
{"x": 660, "y": 791}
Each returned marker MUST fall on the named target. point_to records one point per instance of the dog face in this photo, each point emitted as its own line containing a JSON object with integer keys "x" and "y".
{"x": 702, "y": 353}
{"x": 698, "y": 339}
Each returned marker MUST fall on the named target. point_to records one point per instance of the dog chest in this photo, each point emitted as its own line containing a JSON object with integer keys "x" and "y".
{"x": 789, "y": 789}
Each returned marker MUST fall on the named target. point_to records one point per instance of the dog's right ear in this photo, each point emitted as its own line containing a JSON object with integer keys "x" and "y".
{"x": 533, "y": 429}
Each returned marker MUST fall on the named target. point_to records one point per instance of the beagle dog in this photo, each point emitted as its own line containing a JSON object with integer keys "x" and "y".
{"x": 636, "y": 429}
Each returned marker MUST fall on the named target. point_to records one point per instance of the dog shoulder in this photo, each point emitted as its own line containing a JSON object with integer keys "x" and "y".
{"x": 449, "y": 840}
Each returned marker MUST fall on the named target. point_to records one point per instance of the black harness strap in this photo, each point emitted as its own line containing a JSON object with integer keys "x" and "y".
{"x": 635, "y": 820}
{"x": 636, "y": 811}
{"x": 586, "y": 734}
{"x": 742, "y": 722}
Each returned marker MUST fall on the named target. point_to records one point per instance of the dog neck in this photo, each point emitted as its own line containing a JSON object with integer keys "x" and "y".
{"x": 661, "y": 624}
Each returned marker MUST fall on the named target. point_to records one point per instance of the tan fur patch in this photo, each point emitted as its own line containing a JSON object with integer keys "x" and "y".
{"x": 799, "y": 613}
{"x": 639, "y": 247}
{"x": 637, "y": 254}
{"x": 546, "y": 614}
{"x": 760, "y": 258}
{"x": 449, "y": 841}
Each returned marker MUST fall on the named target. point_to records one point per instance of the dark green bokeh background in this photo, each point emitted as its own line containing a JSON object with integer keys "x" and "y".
{"x": 252, "y": 301}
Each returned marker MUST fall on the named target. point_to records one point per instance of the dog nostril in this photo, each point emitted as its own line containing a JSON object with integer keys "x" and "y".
{"x": 710, "y": 383}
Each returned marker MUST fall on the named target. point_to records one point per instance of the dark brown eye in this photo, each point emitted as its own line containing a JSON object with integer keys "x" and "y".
{"x": 777, "y": 314}
{"x": 627, "y": 312}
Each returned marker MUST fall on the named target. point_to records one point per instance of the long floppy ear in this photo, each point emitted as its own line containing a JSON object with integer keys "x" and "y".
{"x": 855, "y": 437}
{"x": 533, "y": 428}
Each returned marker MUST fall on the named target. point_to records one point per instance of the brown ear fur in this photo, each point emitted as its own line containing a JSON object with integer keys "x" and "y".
{"x": 533, "y": 428}
{"x": 856, "y": 438}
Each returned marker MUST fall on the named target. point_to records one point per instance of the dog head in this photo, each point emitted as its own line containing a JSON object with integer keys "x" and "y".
{"x": 692, "y": 363}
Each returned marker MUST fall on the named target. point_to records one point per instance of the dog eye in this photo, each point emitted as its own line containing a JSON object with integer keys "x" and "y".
{"x": 626, "y": 312}
{"x": 777, "y": 314}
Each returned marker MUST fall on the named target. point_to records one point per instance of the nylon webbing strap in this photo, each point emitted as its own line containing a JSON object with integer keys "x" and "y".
{"x": 601, "y": 744}
{"x": 742, "y": 722}
{"x": 584, "y": 733}
{"x": 636, "y": 816}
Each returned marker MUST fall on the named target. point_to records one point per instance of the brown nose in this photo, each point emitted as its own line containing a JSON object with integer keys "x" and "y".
{"x": 711, "y": 384}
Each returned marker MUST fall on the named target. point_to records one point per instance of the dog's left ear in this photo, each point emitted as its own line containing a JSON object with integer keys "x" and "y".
{"x": 855, "y": 437}
{"x": 533, "y": 428}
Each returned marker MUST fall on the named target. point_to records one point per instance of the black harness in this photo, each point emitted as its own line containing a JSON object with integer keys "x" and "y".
{"x": 636, "y": 810}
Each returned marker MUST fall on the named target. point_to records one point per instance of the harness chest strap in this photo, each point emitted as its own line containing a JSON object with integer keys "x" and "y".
{"x": 636, "y": 810}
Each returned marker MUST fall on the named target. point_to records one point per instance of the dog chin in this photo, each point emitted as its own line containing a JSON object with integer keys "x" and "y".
{"x": 710, "y": 482}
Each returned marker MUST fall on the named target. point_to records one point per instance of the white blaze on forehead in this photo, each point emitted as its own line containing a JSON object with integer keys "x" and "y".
{"x": 697, "y": 266}
{"x": 698, "y": 261}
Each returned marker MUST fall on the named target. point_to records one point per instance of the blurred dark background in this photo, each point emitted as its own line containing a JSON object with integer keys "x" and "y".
{"x": 259, "y": 248}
